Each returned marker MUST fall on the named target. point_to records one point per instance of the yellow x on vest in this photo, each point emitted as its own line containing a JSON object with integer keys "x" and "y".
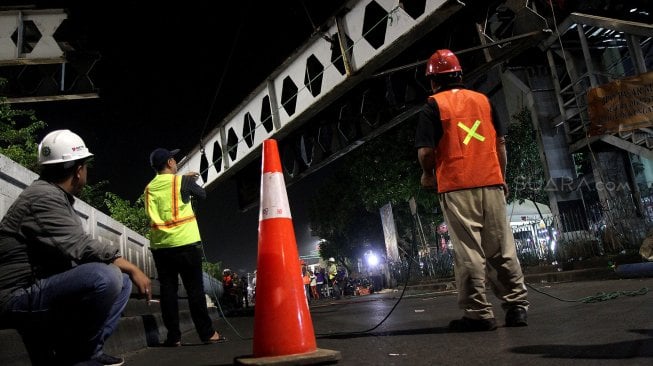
{"x": 471, "y": 132}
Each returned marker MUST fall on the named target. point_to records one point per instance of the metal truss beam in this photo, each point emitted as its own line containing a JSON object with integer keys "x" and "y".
{"x": 369, "y": 32}
{"x": 34, "y": 63}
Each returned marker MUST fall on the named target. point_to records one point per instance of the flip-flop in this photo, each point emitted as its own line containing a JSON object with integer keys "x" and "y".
{"x": 171, "y": 344}
{"x": 220, "y": 339}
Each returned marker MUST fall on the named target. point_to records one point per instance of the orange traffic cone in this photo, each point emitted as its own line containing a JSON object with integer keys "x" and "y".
{"x": 283, "y": 329}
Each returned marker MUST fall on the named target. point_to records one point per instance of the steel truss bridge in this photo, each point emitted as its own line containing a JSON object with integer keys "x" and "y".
{"x": 361, "y": 74}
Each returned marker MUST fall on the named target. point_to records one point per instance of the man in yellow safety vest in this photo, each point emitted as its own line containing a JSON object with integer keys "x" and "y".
{"x": 176, "y": 245}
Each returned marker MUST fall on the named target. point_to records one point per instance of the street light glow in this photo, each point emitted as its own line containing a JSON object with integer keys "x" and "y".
{"x": 372, "y": 260}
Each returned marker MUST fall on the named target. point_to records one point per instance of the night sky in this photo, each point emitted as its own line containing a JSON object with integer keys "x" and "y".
{"x": 159, "y": 70}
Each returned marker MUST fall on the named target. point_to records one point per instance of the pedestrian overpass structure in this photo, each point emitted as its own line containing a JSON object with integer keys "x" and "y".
{"x": 363, "y": 37}
{"x": 328, "y": 98}
{"x": 354, "y": 79}
{"x": 362, "y": 73}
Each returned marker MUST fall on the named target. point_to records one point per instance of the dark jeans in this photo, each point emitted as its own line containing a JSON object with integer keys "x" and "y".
{"x": 335, "y": 288}
{"x": 184, "y": 261}
{"x": 76, "y": 311}
{"x": 320, "y": 287}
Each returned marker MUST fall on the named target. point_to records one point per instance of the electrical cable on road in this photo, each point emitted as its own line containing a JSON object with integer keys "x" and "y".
{"x": 403, "y": 291}
{"x": 599, "y": 297}
{"x": 213, "y": 289}
{"x": 217, "y": 300}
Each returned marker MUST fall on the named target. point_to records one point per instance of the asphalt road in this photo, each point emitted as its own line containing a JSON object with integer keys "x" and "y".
{"x": 561, "y": 331}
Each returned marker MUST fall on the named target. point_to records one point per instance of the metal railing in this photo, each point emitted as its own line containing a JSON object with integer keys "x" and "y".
{"x": 598, "y": 230}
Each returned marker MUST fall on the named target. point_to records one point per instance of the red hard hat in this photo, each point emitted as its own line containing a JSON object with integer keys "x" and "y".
{"x": 441, "y": 62}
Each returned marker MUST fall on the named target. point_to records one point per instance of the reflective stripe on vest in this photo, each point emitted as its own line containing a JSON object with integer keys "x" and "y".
{"x": 172, "y": 221}
{"x": 466, "y": 154}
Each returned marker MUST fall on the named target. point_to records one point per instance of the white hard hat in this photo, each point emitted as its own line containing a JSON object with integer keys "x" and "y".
{"x": 332, "y": 259}
{"x": 62, "y": 146}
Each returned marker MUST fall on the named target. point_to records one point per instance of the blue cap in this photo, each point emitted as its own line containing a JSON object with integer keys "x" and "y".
{"x": 160, "y": 156}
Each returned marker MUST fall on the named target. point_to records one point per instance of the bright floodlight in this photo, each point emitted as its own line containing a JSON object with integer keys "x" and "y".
{"x": 372, "y": 259}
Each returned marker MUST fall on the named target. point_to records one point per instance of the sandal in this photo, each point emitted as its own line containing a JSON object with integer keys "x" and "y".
{"x": 169, "y": 343}
{"x": 217, "y": 338}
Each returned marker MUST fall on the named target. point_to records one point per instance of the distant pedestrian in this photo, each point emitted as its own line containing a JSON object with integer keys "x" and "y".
{"x": 227, "y": 279}
{"x": 320, "y": 279}
{"x": 254, "y": 287}
{"x": 462, "y": 152}
{"x": 61, "y": 289}
{"x": 176, "y": 246}
{"x": 332, "y": 273}
{"x": 236, "y": 290}
{"x": 313, "y": 285}
{"x": 306, "y": 278}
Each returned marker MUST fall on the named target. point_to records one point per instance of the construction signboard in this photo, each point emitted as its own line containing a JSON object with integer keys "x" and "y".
{"x": 621, "y": 105}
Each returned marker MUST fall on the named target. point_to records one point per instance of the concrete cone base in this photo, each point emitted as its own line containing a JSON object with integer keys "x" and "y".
{"x": 319, "y": 356}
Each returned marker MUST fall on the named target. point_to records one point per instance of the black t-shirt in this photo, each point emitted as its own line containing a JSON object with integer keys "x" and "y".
{"x": 190, "y": 189}
{"x": 429, "y": 126}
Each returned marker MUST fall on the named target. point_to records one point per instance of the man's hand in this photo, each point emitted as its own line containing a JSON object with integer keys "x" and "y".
{"x": 428, "y": 181}
{"x": 506, "y": 190}
{"x": 143, "y": 283}
{"x": 426, "y": 158}
{"x": 140, "y": 279}
{"x": 193, "y": 175}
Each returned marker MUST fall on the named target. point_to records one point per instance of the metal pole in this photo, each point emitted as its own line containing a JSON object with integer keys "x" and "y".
{"x": 587, "y": 55}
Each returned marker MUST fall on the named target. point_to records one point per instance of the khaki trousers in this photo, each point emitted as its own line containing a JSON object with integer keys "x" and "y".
{"x": 484, "y": 250}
